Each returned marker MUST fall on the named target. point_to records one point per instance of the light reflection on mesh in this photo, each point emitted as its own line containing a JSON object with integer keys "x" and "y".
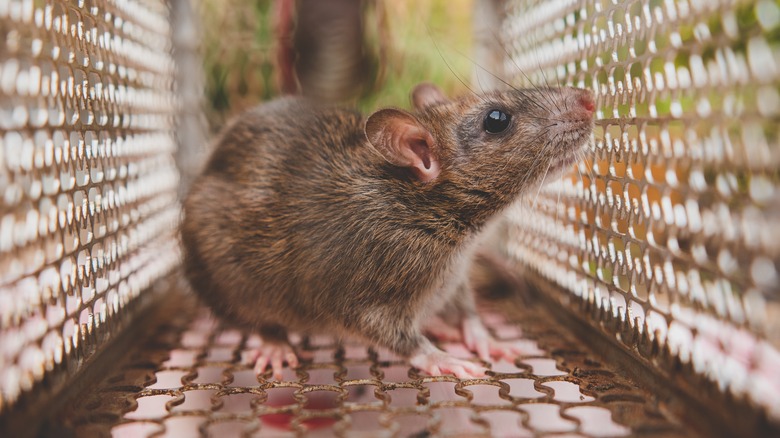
{"x": 203, "y": 382}
{"x": 87, "y": 178}
{"x": 669, "y": 228}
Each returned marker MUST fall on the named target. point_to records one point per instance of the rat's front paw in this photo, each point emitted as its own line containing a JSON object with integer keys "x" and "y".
{"x": 442, "y": 331}
{"x": 275, "y": 355}
{"x": 438, "y": 363}
{"x": 479, "y": 340}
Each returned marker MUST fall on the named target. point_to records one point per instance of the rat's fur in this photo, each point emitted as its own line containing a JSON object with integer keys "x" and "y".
{"x": 298, "y": 222}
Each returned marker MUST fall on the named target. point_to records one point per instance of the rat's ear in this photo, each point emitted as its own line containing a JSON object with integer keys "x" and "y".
{"x": 427, "y": 94}
{"x": 401, "y": 140}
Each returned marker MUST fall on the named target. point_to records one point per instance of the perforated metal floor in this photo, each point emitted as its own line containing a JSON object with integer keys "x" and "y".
{"x": 191, "y": 378}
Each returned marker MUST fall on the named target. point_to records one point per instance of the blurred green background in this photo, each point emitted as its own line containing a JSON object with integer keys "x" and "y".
{"x": 427, "y": 40}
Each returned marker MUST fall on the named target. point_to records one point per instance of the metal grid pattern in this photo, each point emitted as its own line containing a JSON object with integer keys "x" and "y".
{"x": 88, "y": 182}
{"x": 667, "y": 235}
{"x": 194, "y": 379}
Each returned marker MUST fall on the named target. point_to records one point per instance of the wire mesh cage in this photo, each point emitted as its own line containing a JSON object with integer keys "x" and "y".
{"x": 87, "y": 175}
{"x": 656, "y": 259}
{"x": 667, "y": 234}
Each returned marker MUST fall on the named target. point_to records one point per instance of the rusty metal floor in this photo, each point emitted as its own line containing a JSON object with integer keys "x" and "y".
{"x": 189, "y": 376}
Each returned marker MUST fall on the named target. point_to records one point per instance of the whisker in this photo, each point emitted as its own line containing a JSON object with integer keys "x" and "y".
{"x": 518, "y": 90}
{"x": 544, "y": 178}
{"x": 558, "y": 203}
{"x": 528, "y": 79}
{"x": 509, "y": 56}
{"x": 547, "y": 119}
{"x": 579, "y": 172}
{"x": 495, "y": 76}
{"x": 538, "y": 156}
{"x": 479, "y": 83}
{"x": 438, "y": 50}
{"x": 544, "y": 76}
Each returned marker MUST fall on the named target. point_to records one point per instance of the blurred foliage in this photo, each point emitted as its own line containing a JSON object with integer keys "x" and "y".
{"x": 430, "y": 41}
{"x": 426, "y": 40}
{"x": 237, "y": 55}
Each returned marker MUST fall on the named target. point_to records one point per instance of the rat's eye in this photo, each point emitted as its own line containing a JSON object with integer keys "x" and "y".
{"x": 496, "y": 121}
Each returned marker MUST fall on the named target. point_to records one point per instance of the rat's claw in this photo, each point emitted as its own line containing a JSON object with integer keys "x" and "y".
{"x": 292, "y": 360}
{"x": 474, "y": 370}
{"x": 459, "y": 371}
{"x": 438, "y": 363}
{"x": 276, "y": 365}
{"x": 476, "y": 337}
{"x": 483, "y": 349}
{"x": 274, "y": 354}
{"x": 260, "y": 364}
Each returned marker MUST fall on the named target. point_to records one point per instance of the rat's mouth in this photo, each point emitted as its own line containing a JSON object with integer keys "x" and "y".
{"x": 565, "y": 148}
{"x": 568, "y": 159}
{"x": 563, "y": 166}
{"x": 573, "y": 140}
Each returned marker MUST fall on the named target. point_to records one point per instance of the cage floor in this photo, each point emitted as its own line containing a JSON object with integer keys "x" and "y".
{"x": 191, "y": 377}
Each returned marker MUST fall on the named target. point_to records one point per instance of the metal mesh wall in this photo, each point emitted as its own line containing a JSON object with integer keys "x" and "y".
{"x": 667, "y": 235}
{"x": 665, "y": 238}
{"x": 88, "y": 181}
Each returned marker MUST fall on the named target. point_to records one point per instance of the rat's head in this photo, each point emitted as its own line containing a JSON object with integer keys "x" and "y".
{"x": 494, "y": 146}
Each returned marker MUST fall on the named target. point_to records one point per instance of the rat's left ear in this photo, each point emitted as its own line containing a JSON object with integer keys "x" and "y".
{"x": 427, "y": 94}
{"x": 400, "y": 138}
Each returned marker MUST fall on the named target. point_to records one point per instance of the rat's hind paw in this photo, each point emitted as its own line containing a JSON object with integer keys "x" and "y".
{"x": 479, "y": 340}
{"x": 275, "y": 355}
{"x": 438, "y": 363}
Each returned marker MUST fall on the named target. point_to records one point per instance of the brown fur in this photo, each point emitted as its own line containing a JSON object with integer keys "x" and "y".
{"x": 298, "y": 223}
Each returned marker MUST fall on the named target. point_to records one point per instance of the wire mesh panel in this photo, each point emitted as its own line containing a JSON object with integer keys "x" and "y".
{"x": 195, "y": 378}
{"x": 665, "y": 237}
{"x": 87, "y": 178}
{"x": 667, "y": 234}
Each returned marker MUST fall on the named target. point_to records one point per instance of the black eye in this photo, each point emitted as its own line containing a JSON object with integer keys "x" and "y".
{"x": 496, "y": 121}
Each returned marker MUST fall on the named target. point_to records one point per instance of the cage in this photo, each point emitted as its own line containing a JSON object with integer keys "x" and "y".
{"x": 654, "y": 263}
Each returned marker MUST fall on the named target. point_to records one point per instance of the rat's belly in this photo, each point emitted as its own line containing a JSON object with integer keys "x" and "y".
{"x": 456, "y": 278}
{"x": 447, "y": 291}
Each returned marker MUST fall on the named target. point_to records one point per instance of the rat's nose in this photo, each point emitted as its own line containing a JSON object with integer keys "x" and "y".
{"x": 587, "y": 101}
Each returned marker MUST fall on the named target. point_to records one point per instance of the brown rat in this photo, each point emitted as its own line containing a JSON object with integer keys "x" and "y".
{"x": 313, "y": 218}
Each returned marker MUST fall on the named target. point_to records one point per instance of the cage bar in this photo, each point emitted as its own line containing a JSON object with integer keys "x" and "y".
{"x": 654, "y": 261}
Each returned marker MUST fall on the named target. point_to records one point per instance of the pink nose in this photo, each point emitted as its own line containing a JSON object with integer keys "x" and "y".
{"x": 587, "y": 102}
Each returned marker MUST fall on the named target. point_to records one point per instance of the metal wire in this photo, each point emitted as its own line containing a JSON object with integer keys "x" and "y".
{"x": 195, "y": 379}
{"x": 668, "y": 230}
{"x": 665, "y": 238}
{"x": 87, "y": 177}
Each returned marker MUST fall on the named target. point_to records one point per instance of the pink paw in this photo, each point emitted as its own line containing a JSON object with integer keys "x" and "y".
{"x": 274, "y": 355}
{"x": 438, "y": 363}
{"x": 442, "y": 331}
{"x": 478, "y": 339}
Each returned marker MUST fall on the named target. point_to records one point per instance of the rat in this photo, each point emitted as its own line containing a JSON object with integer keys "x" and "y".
{"x": 313, "y": 218}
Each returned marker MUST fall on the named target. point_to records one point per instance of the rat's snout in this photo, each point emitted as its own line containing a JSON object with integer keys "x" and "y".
{"x": 580, "y": 106}
{"x": 587, "y": 101}
{"x": 570, "y": 104}
{"x": 574, "y": 122}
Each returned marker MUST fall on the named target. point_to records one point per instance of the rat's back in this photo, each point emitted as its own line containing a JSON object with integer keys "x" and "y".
{"x": 270, "y": 174}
